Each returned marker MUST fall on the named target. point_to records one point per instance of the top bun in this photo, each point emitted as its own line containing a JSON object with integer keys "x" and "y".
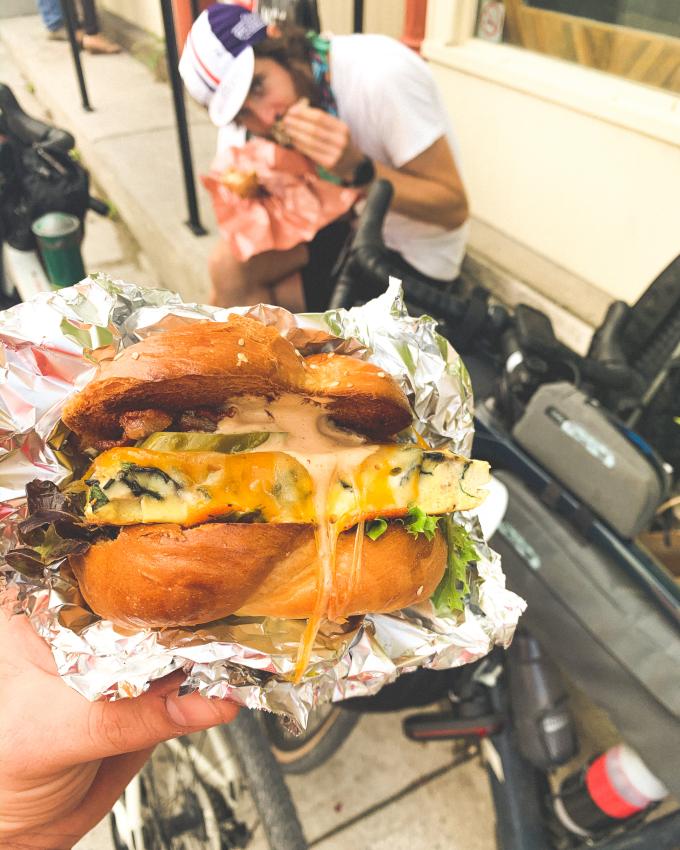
{"x": 207, "y": 364}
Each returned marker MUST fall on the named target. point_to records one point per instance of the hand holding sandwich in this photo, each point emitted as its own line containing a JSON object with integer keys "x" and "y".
{"x": 65, "y": 760}
{"x": 324, "y": 138}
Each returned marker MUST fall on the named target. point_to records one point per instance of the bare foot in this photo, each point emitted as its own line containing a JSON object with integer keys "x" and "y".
{"x": 99, "y": 43}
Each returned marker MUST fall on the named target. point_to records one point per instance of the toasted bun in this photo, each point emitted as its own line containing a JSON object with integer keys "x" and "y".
{"x": 208, "y": 364}
{"x": 165, "y": 575}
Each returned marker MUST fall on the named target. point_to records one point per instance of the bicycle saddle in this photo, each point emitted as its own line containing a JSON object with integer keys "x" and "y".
{"x": 17, "y": 124}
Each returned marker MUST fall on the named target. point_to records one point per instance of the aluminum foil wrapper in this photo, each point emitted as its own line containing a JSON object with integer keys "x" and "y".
{"x": 50, "y": 348}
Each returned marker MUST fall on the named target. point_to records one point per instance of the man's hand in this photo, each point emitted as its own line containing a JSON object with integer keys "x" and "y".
{"x": 65, "y": 761}
{"x": 427, "y": 188}
{"x": 324, "y": 138}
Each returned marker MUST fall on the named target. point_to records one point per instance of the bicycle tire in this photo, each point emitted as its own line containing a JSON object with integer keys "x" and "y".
{"x": 172, "y": 803}
{"x": 312, "y": 750}
{"x": 266, "y": 783}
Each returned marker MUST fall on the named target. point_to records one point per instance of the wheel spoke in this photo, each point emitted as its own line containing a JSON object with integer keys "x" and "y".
{"x": 187, "y": 801}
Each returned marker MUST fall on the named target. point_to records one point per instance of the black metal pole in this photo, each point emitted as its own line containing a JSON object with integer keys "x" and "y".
{"x": 70, "y": 21}
{"x": 358, "y": 15}
{"x": 194, "y": 221}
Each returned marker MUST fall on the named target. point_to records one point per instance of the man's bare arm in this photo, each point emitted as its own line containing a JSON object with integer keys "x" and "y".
{"x": 427, "y": 188}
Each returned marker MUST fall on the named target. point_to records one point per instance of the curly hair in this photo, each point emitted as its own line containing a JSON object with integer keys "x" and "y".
{"x": 292, "y": 49}
{"x": 291, "y": 46}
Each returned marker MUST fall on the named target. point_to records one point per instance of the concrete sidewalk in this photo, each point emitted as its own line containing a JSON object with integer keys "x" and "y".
{"x": 380, "y": 791}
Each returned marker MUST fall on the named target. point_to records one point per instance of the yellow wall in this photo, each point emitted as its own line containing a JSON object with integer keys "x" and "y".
{"x": 580, "y": 166}
{"x": 146, "y": 14}
{"x": 385, "y": 16}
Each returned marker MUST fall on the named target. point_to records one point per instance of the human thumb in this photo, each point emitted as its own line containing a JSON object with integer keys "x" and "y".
{"x": 133, "y": 724}
{"x": 194, "y": 710}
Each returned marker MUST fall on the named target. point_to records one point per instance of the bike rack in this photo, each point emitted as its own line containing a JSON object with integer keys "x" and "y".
{"x": 70, "y": 19}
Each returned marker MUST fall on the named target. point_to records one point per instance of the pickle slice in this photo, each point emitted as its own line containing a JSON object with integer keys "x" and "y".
{"x": 200, "y": 441}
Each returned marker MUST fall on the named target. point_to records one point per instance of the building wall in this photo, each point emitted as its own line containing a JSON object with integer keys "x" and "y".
{"x": 580, "y": 166}
{"x": 145, "y": 15}
{"x": 14, "y": 8}
{"x": 385, "y": 16}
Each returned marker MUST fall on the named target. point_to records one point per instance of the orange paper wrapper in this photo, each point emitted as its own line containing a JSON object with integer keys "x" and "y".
{"x": 292, "y": 205}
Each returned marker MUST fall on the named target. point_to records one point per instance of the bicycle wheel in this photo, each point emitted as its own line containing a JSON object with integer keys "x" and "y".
{"x": 328, "y": 728}
{"x": 189, "y": 796}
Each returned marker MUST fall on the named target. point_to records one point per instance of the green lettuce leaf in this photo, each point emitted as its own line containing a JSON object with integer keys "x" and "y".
{"x": 53, "y": 529}
{"x": 418, "y": 522}
{"x": 375, "y": 527}
{"x": 455, "y": 583}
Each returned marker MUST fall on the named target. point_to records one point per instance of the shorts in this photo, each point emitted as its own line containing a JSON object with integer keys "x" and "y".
{"x": 328, "y": 248}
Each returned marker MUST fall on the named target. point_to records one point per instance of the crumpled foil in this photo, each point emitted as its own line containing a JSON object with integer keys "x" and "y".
{"x": 50, "y": 348}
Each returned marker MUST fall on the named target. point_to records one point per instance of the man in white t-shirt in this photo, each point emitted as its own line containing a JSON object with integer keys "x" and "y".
{"x": 362, "y": 107}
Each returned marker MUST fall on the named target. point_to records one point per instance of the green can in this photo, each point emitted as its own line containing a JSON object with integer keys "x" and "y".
{"x": 59, "y": 235}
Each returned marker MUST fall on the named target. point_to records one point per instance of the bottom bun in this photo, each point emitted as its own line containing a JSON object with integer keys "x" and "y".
{"x": 166, "y": 575}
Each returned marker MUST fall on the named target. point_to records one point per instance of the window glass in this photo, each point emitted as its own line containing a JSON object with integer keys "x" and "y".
{"x": 636, "y": 39}
{"x": 662, "y": 16}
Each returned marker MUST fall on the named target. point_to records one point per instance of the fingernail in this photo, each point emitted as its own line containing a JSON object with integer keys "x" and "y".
{"x": 192, "y": 710}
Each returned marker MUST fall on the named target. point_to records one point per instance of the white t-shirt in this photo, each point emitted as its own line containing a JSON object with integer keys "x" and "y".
{"x": 389, "y": 100}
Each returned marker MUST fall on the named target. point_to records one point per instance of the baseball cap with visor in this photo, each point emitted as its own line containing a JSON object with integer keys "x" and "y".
{"x": 218, "y": 61}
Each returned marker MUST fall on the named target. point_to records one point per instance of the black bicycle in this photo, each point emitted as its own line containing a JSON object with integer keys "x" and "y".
{"x": 567, "y": 435}
{"x": 38, "y": 174}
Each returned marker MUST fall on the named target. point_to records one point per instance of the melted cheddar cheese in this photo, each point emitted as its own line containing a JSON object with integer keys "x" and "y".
{"x": 127, "y": 486}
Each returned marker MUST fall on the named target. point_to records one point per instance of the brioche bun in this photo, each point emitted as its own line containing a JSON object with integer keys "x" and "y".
{"x": 212, "y": 363}
{"x": 162, "y": 574}
{"x": 165, "y": 575}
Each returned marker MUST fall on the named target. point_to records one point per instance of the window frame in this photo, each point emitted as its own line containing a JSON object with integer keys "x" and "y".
{"x": 639, "y": 55}
{"x": 450, "y": 45}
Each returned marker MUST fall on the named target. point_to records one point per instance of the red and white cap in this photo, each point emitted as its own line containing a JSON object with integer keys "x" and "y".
{"x": 218, "y": 61}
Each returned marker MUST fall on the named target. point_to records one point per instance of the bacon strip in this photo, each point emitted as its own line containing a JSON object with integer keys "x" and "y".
{"x": 137, "y": 424}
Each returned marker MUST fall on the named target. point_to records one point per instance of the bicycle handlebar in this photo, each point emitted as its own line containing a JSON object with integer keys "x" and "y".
{"x": 368, "y": 247}
{"x": 98, "y": 206}
{"x": 369, "y": 229}
{"x": 368, "y": 262}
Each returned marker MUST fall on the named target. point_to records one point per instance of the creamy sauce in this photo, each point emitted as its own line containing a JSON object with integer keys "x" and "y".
{"x": 303, "y": 425}
{"x": 304, "y": 431}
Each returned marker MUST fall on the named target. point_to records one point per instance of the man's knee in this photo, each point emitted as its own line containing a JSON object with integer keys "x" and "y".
{"x": 222, "y": 264}
{"x": 227, "y": 277}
